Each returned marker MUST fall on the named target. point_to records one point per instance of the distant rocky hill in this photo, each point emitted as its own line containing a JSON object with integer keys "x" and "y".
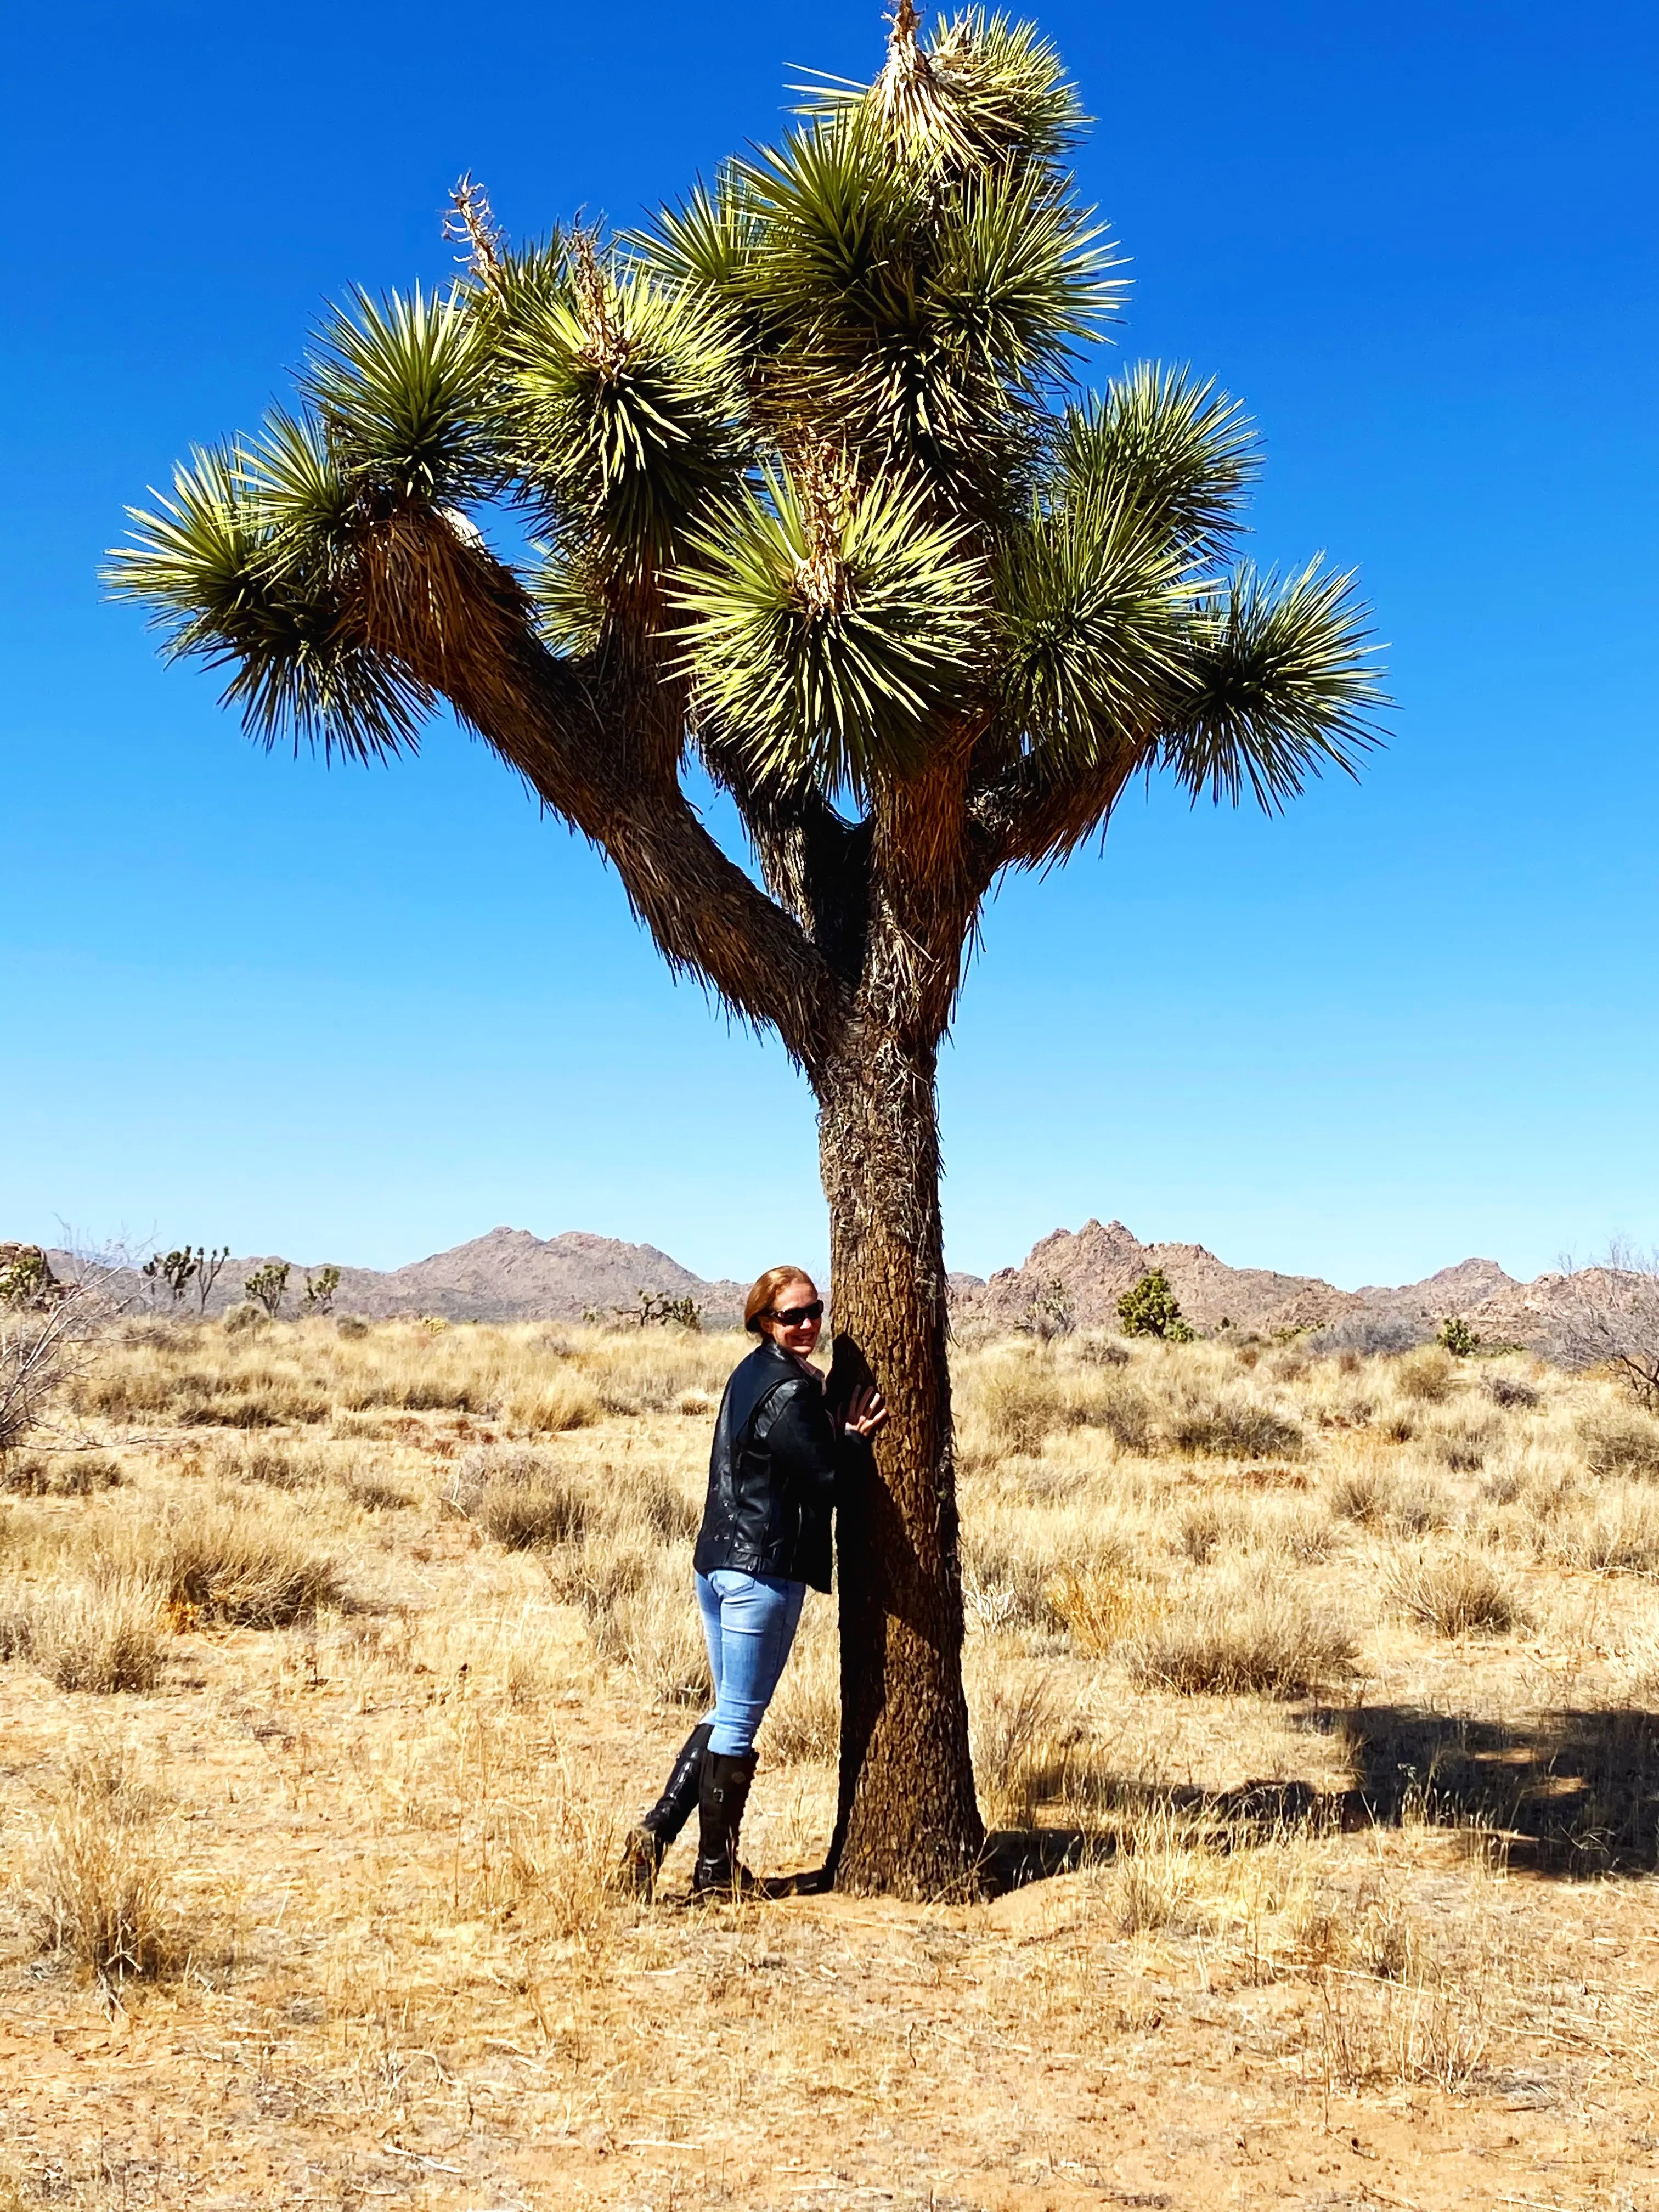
{"x": 508, "y": 1275}
{"x": 1092, "y": 1267}
{"x": 511, "y": 1275}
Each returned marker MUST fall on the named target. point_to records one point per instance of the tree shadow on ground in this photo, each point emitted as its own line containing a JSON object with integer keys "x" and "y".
{"x": 1571, "y": 1793}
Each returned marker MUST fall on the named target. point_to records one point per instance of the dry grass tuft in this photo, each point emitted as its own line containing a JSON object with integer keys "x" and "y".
{"x": 64, "y": 1475}
{"x": 1620, "y": 1440}
{"x": 100, "y": 1636}
{"x": 1456, "y": 1594}
{"x": 1241, "y": 1637}
{"x": 98, "y": 1893}
{"x": 523, "y": 1498}
{"x": 226, "y": 1559}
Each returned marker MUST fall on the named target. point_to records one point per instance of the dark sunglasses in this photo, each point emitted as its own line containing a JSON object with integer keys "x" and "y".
{"x": 792, "y": 1316}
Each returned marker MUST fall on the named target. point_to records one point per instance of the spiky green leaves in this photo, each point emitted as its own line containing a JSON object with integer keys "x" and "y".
{"x": 831, "y": 627}
{"x": 1278, "y": 685}
{"x": 924, "y": 325}
{"x": 1089, "y": 645}
{"x": 402, "y": 386}
{"x": 1179, "y": 453}
{"x": 623, "y": 410}
{"x": 236, "y": 567}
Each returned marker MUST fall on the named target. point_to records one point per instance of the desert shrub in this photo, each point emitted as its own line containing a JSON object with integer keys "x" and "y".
{"x": 1233, "y": 1428}
{"x": 1508, "y": 1391}
{"x": 1455, "y": 1336}
{"x": 640, "y": 1616}
{"x": 277, "y": 1466}
{"x": 351, "y": 1326}
{"x": 100, "y": 1636}
{"x": 1126, "y": 1413}
{"x": 1461, "y": 1439}
{"x": 62, "y": 1475}
{"x": 650, "y": 1497}
{"x": 1425, "y": 1375}
{"x": 1210, "y": 1524}
{"x": 1620, "y": 1440}
{"x": 97, "y": 1892}
{"x": 1369, "y": 1335}
{"x": 1095, "y": 1348}
{"x": 1150, "y": 1307}
{"x": 1241, "y": 1637}
{"x": 1459, "y": 1594}
{"x": 523, "y": 1498}
{"x": 242, "y": 1320}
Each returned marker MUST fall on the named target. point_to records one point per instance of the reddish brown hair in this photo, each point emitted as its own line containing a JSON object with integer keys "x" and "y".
{"x": 758, "y": 1304}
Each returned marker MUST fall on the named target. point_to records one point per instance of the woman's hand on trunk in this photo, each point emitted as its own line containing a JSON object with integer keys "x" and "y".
{"x": 866, "y": 1411}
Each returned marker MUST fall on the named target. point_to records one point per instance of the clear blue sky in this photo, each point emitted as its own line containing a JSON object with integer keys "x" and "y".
{"x": 365, "y": 1014}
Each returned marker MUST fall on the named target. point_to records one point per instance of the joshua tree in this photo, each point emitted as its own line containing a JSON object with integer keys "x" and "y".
{"x": 826, "y": 515}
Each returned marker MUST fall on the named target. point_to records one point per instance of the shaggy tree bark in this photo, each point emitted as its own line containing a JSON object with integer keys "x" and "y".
{"x": 908, "y": 1823}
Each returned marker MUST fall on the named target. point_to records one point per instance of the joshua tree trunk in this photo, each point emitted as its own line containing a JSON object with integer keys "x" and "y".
{"x": 908, "y": 1823}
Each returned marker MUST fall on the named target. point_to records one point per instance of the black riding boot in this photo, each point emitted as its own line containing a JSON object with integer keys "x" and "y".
{"x": 726, "y": 1779}
{"x": 643, "y": 1851}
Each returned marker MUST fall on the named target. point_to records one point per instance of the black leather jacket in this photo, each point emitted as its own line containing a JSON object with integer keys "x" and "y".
{"x": 771, "y": 1475}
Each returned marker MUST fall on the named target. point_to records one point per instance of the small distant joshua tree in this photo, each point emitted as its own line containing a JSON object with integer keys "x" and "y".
{"x": 319, "y": 1290}
{"x": 1050, "y": 1312}
{"x": 176, "y": 1269}
{"x": 267, "y": 1286}
{"x": 823, "y": 513}
{"x": 209, "y": 1265}
{"x": 1150, "y": 1307}
{"x": 1455, "y": 1335}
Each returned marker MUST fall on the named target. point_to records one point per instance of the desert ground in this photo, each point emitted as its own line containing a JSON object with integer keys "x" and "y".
{"x": 1316, "y": 1709}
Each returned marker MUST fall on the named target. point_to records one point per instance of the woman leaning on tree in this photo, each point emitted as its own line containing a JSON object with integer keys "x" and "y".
{"x": 765, "y": 1541}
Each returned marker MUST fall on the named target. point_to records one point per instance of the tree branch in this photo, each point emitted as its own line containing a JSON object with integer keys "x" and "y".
{"x": 601, "y": 746}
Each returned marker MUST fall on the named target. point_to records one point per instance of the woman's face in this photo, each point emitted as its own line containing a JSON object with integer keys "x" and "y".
{"x": 799, "y": 1336}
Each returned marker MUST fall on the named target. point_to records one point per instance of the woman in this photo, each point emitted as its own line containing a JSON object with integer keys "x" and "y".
{"x": 765, "y": 1537}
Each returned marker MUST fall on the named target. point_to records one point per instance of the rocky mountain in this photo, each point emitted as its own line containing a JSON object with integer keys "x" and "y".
{"x": 512, "y": 1275}
{"x": 1090, "y": 1268}
{"x": 508, "y": 1275}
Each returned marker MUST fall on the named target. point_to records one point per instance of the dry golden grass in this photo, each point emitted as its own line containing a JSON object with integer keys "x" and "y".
{"x": 1327, "y": 1682}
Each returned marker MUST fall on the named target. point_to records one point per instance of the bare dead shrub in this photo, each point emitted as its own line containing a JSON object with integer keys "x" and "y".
{"x": 1607, "y": 1315}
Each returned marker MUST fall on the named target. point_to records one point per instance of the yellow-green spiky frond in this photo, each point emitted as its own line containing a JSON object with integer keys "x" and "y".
{"x": 238, "y": 568}
{"x": 1277, "y": 684}
{"x": 1090, "y": 603}
{"x": 1177, "y": 452}
{"x": 983, "y": 90}
{"x": 829, "y": 625}
{"x": 404, "y": 387}
{"x": 926, "y": 328}
{"x": 623, "y": 408}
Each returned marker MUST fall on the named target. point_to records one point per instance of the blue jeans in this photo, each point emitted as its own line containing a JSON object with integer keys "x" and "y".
{"x": 749, "y": 1623}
